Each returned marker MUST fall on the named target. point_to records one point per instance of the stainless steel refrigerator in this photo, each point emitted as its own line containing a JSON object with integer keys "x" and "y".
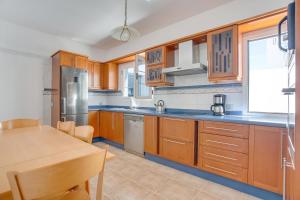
{"x": 74, "y": 95}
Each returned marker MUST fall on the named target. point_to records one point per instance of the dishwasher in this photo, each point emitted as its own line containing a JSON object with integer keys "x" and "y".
{"x": 134, "y": 134}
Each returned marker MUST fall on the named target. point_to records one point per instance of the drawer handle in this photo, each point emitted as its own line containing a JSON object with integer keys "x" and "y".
{"x": 225, "y": 143}
{"x": 223, "y": 129}
{"x": 228, "y": 158}
{"x": 175, "y": 119}
{"x": 173, "y": 141}
{"x": 221, "y": 170}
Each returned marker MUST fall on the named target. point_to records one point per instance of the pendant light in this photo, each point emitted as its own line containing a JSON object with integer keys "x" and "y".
{"x": 125, "y": 33}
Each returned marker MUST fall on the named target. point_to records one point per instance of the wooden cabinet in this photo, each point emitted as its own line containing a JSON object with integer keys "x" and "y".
{"x": 90, "y": 68}
{"x": 81, "y": 62}
{"x": 110, "y": 76}
{"x": 94, "y": 122}
{"x": 151, "y": 134}
{"x": 95, "y": 70}
{"x": 177, "y": 140}
{"x": 223, "y": 55}
{"x": 62, "y": 58}
{"x": 265, "y": 158}
{"x": 156, "y": 60}
{"x": 112, "y": 126}
{"x": 223, "y": 149}
{"x": 67, "y": 59}
{"x": 71, "y": 59}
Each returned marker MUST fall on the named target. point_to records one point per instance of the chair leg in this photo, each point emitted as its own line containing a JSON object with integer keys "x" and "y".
{"x": 87, "y": 187}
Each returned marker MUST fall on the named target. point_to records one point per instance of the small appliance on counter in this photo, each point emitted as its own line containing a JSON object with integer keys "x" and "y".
{"x": 218, "y": 108}
{"x": 160, "y": 106}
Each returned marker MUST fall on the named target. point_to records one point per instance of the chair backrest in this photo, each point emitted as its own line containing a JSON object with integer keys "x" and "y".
{"x": 58, "y": 179}
{"x": 67, "y": 127}
{"x": 84, "y": 133}
{"x": 18, "y": 123}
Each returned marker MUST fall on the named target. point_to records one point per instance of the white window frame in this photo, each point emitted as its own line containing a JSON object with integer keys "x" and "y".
{"x": 135, "y": 87}
{"x": 150, "y": 96}
{"x": 253, "y": 35}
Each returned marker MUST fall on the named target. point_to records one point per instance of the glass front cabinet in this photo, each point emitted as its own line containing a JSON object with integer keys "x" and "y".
{"x": 155, "y": 61}
{"x": 223, "y": 55}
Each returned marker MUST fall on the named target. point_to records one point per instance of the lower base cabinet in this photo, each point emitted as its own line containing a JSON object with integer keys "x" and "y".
{"x": 94, "y": 122}
{"x": 177, "y": 140}
{"x": 265, "y": 158}
{"x": 151, "y": 134}
{"x": 112, "y": 126}
{"x": 179, "y": 151}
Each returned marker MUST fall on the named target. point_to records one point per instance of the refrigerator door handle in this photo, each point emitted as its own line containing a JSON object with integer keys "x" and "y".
{"x": 63, "y": 105}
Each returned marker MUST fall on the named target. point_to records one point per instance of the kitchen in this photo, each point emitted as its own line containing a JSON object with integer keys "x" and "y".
{"x": 202, "y": 113}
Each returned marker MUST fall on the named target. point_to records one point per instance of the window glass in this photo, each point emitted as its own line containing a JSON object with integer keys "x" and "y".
{"x": 128, "y": 82}
{"x": 142, "y": 90}
{"x": 267, "y": 76}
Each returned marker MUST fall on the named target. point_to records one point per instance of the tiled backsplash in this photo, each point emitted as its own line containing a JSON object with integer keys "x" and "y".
{"x": 198, "y": 97}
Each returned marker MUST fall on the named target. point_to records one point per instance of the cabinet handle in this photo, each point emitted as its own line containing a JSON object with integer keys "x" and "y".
{"x": 173, "y": 119}
{"x": 113, "y": 120}
{"x": 281, "y": 148}
{"x": 223, "y": 129}
{"x": 225, "y": 143}
{"x": 173, "y": 141}
{"x": 221, "y": 170}
{"x": 228, "y": 158}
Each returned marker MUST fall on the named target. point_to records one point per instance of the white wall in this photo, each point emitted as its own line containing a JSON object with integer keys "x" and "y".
{"x": 25, "y": 70}
{"x": 225, "y": 14}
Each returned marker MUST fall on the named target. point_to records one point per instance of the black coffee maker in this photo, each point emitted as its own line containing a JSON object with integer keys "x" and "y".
{"x": 218, "y": 108}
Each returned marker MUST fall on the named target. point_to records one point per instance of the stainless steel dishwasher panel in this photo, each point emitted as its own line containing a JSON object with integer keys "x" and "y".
{"x": 134, "y": 134}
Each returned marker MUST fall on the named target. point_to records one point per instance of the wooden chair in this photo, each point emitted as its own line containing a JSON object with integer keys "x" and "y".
{"x": 67, "y": 127}
{"x": 84, "y": 133}
{"x": 18, "y": 123}
{"x": 64, "y": 181}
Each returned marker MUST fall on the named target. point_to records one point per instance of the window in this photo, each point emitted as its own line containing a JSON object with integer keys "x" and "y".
{"x": 132, "y": 79}
{"x": 267, "y": 72}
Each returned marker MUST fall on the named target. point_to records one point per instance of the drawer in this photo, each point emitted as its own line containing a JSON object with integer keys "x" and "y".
{"x": 224, "y": 128}
{"x": 222, "y": 169}
{"x": 224, "y": 156}
{"x": 177, "y": 129}
{"x": 179, "y": 151}
{"x": 223, "y": 142}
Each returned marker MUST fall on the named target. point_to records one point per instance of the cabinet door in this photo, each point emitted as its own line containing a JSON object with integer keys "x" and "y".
{"x": 154, "y": 74}
{"x": 110, "y": 76}
{"x": 90, "y": 67}
{"x": 155, "y": 56}
{"x": 117, "y": 128}
{"x": 105, "y": 124}
{"x": 177, "y": 129}
{"x": 97, "y": 75}
{"x": 81, "y": 62}
{"x": 67, "y": 59}
{"x": 265, "y": 158}
{"x": 179, "y": 151}
{"x": 151, "y": 134}
{"x": 94, "y": 122}
{"x": 223, "y": 54}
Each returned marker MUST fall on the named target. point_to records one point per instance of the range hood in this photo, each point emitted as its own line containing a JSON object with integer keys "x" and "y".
{"x": 192, "y": 59}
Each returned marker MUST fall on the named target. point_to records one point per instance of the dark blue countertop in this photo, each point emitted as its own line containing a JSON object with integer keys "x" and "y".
{"x": 234, "y": 117}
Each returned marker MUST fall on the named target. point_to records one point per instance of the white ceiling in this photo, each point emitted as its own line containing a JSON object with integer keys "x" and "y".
{"x": 92, "y": 21}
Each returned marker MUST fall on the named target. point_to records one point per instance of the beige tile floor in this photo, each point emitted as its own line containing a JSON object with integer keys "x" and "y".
{"x": 129, "y": 177}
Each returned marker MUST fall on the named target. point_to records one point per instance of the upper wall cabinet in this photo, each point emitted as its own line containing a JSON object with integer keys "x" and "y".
{"x": 223, "y": 55}
{"x": 155, "y": 61}
{"x": 110, "y": 76}
{"x": 70, "y": 59}
{"x": 95, "y": 70}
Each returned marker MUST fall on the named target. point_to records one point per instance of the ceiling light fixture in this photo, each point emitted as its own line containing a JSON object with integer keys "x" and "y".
{"x": 125, "y": 33}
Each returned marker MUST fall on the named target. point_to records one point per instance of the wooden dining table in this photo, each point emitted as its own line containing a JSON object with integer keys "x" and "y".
{"x": 34, "y": 147}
